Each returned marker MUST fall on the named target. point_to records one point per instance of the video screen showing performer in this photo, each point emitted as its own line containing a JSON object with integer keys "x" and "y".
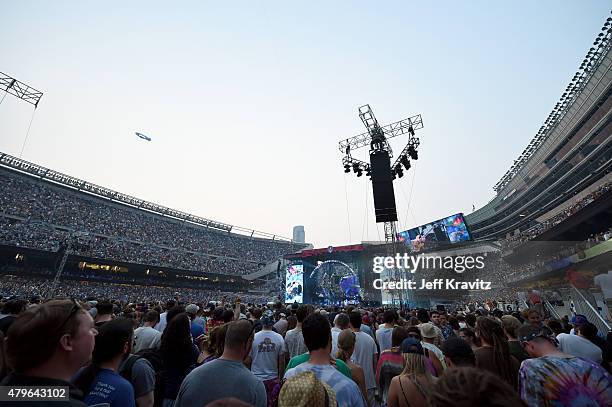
{"x": 294, "y": 284}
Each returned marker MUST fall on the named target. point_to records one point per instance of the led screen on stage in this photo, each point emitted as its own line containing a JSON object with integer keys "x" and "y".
{"x": 451, "y": 229}
{"x": 294, "y": 284}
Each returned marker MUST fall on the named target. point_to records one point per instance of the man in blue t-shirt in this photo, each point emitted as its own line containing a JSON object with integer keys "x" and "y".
{"x": 317, "y": 337}
{"x": 196, "y": 328}
{"x": 108, "y": 387}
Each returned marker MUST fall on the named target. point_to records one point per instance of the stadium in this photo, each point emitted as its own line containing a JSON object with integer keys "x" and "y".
{"x": 542, "y": 245}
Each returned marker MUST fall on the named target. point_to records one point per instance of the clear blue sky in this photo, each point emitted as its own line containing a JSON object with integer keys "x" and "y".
{"x": 246, "y": 101}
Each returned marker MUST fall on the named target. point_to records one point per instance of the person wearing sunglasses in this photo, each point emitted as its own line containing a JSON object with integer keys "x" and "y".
{"x": 552, "y": 377}
{"x": 46, "y": 346}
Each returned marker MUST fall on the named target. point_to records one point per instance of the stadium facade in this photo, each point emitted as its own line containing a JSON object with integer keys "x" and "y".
{"x": 570, "y": 156}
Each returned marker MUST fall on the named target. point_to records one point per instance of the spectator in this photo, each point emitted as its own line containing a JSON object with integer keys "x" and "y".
{"x": 384, "y": 332}
{"x": 294, "y": 338}
{"x": 365, "y": 355}
{"x": 341, "y": 323}
{"x": 429, "y": 335}
{"x": 178, "y": 353}
{"x": 458, "y": 353}
{"x": 104, "y": 313}
{"x": 305, "y": 390}
{"x": 589, "y": 331}
{"x": 511, "y": 326}
{"x": 52, "y": 359}
{"x": 282, "y": 324}
{"x": 391, "y": 362}
{"x": 317, "y": 337}
{"x": 412, "y": 387}
{"x": 494, "y": 355}
{"x": 146, "y": 337}
{"x": 467, "y": 387}
{"x": 100, "y": 381}
{"x": 346, "y": 347}
{"x": 268, "y": 357}
{"x": 11, "y": 310}
{"x": 579, "y": 345}
{"x": 534, "y": 318}
{"x": 469, "y": 336}
{"x": 291, "y": 322}
{"x": 555, "y": 378}
{"x": 226, "y": 376}
{"x": 196, "y": 328}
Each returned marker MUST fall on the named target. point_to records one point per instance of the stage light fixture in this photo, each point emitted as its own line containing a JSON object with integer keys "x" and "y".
{"x": 347, "y": 168}
{"x": 359, "y": 173}
{"x": 413, "y": 153}
{"x": 368, "y": 172}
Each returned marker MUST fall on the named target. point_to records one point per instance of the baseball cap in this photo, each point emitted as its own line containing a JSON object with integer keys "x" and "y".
{"x": 411, "y": 345}
{"x": 267, "y": 319}
{"x": 579, "y": 319}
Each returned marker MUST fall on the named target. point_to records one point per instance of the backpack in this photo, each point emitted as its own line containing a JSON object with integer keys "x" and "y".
{"x": 153, "y": 356}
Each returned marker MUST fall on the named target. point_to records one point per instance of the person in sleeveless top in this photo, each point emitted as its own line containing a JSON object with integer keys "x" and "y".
{"x": 412, "y": 386}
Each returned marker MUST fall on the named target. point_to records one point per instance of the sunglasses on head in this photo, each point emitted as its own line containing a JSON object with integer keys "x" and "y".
{"x": 75, "y": 308}
{"x": 414, "y": 336}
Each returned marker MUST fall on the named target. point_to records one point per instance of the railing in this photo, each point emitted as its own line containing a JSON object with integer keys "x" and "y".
{"x": 551, "y": 310}
{"x": 584, "y": 307}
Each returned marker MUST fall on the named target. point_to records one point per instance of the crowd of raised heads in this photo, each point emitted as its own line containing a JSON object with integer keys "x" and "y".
{"x": 221, "y": 353}
{"x": 39, "y": 215}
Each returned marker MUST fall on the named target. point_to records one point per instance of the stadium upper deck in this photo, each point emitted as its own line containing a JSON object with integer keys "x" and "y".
{"x": 570, "y": 155}
{"x": 40, "y": 208}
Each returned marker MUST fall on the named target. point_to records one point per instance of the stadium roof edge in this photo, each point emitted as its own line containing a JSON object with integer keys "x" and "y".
{"x": 19, "y": 165}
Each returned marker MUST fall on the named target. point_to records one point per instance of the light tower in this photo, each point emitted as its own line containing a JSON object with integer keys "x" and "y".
{"x": 380, "y": 170}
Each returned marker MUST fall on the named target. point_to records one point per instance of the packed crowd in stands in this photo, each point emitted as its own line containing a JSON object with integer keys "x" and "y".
{"x": 181, "y": 353}
{"x": 39, "y": 216}
{"x": 82, "y": 290}
{"x": 538, "y": 229}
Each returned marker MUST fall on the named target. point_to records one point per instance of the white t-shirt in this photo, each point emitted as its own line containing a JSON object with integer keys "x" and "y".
{"x": 383, "y": 336}
{"x": 146, "y": 337}
{"x": 335, "y": 331}
{"x": 267, "y": 347}
{"x": 363, "y": 355}
{"x": 578, "y": 346}
{"x": 161, "y": 325}
{"x": 605, "y": 282}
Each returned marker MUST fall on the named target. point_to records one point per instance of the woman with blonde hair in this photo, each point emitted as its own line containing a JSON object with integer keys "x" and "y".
{"x": 346, "y": 346}
{"x": 413, "y": 385}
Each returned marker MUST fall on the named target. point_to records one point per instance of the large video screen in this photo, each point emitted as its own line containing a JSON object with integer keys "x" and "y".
{"x": 451, "y": 229}
{"x": 294, "y": 284}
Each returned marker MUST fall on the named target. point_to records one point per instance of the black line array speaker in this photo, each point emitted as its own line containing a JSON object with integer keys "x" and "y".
{"x": 382, "y": 186}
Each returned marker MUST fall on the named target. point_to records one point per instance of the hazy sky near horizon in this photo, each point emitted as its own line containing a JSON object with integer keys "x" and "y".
{"x": 245, "y": 102}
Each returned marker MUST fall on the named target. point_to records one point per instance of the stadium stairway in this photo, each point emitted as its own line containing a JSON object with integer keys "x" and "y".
{"x": 583, "y": 306}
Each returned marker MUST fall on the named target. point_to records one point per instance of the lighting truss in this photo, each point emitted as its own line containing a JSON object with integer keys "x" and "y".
{"x": 19, "y": 89}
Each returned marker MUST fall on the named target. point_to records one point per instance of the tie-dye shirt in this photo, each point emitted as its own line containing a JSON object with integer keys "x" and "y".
{"x": 564, "y": 381}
